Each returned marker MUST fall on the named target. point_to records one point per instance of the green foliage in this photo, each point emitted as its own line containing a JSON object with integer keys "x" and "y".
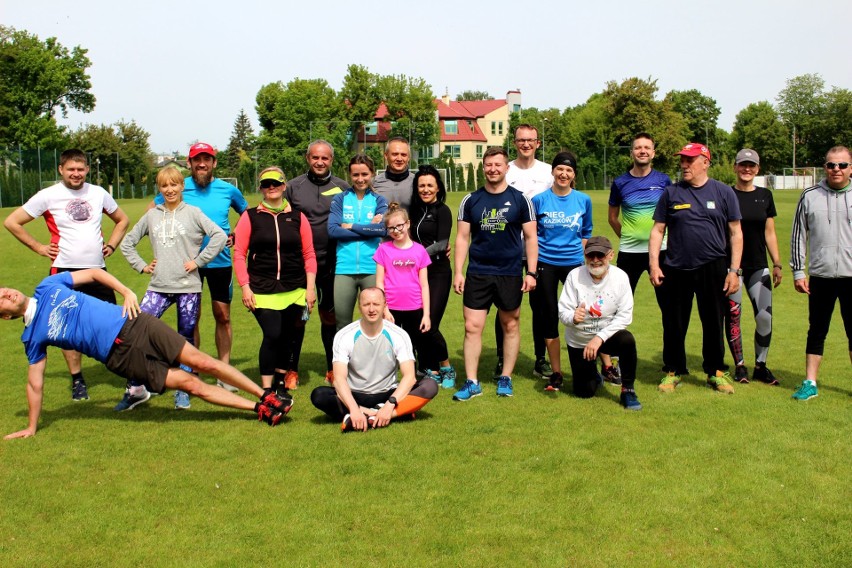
{"x": 118, "y": 150}
{"x": 700, "y": 112}
{"x": 759, "y": 126}
{"x": 819, "y": 119}
{"x": 474, "y": 96}
{"x": 240, "y": 145}
{"x": 37, "y": 78}
{"x": 470, "y": 182}
{"x": 722, "y": 169}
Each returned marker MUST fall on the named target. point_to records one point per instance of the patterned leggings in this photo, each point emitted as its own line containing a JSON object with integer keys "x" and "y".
{"x": 188, "y": 309}
{"x": 758, "y": 283}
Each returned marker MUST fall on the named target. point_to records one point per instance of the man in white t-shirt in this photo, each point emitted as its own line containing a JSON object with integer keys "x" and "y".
{"x": 73, "y": 210}
{"x": 530, "y": 177}
{"x": 367, "y": 355}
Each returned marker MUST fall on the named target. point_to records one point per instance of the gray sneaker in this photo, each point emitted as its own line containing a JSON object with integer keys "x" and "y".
{"x": 129, "y": 402}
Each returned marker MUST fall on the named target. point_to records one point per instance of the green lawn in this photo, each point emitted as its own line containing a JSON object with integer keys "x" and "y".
{"x": 695, "y": 479}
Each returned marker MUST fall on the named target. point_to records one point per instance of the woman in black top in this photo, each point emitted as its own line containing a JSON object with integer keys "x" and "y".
{"x": 431, "y": 223}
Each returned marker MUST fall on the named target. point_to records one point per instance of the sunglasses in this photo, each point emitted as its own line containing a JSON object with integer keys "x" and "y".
{"x": 594, "y": 255}
{"x": 397, "y": 228}
{"x": 267, "y": 183}
{"x": 835, "y": 165}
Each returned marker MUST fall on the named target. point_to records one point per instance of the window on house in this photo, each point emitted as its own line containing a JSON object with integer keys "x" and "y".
{"x": 451, "y": 127}
{"x": 426, "y": 153}
{"x": 453, "y": 150}
{"x": 493, "y": 128}
{"x": 500, "y": 128}
{"x": 516, "y": 108}
{"x": 479, "y": 151}
{"x": 371, "y": 128}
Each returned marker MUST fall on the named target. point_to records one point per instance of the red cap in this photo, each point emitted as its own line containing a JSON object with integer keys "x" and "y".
{"x": 201, "y": 148}
{"x": 694, "y": 149}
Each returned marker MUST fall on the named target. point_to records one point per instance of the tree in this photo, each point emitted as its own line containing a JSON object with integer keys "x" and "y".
{"x": 470, "y": 183}
{"x": 474, "y": 96}
{"x": 120, "y": 149}
{"x": 292, "y": 115}
{"x": 700, "y": 112}
{"x": 759, "y": 126}
{"x": 801, "y": 104}
{"x": 36, "y": 79}
{"x": 242, "y": 143}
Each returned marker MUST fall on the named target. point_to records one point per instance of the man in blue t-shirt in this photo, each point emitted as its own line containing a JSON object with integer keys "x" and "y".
{"x": 131, "y": 343}
{"x": 490, "y": 223}
{"x": 215, "y": 198}
{"x": 702, "y": 215}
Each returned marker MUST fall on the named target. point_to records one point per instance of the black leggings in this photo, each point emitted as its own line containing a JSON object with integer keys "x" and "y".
{"x": 433, "y": 345}
{"x": 277, "y": 346}
{"x": 585, "y": 373}
{"x": 545, "y": 300}
{"x": 326, "y": 399}
{"x": 824, "y": 294}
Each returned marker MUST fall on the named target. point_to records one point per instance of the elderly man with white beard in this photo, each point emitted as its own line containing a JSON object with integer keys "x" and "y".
{"x": 596, "y": 307}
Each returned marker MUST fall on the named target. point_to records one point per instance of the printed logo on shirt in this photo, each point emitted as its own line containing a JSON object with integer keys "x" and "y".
{"x": 711, "y": 205}
{"x": 560, "y": 219}
{"x": 333, "y": 191}
{"x": 59, "y": 316}
{"x": 403, "y": 263}
{"x": 682, "y": 206}
{"x": 78, "y": 210}
{"x": 494, "y": 220}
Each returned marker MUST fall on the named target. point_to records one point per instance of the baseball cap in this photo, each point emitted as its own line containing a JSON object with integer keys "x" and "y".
{"x": 694, "y": 149}
{"x": 598, "y": 244}
{"x": 747, "y": 155}
{"x": 201, "y": 148}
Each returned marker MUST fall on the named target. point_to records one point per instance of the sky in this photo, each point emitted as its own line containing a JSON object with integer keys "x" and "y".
{"x": 184, "y": 70}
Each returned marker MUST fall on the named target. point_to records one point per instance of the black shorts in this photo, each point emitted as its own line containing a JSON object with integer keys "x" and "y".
{"x": 325, "y": 288}
{"x": 482, "y": 290}
{"x": 219, "y": 282}
{"x": 94, "y": 289}
{"x": 144, "y": 351}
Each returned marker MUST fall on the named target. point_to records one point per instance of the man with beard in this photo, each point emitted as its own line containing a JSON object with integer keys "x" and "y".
{"x": 73, "y": 210}
{"x": 596, "y": 307}
{"x": 215, "y": 198}
{"x": 394, "y": 184}
{"x": 311, "y": 193}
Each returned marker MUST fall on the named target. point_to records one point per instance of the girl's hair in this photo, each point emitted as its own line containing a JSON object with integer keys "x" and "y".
{"x": 169, "y": 174}
{"x": 396, "y": 209}
{"x": 363, "y": 159}
{"x": 427, "y": 170}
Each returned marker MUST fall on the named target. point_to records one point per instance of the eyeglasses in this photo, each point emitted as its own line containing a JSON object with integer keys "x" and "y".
{"x": 526, "y": 140}
{"x": 835, "y": 165}
{"x": 594, "y": 255}
{"x": 397, "y": 228}
{"x": 267, "y": 183}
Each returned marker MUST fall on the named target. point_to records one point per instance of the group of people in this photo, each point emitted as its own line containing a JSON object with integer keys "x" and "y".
{"x": 383, "y": 242}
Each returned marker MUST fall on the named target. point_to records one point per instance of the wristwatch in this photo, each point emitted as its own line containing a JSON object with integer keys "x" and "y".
{"x": 532, "y": 273}
{"x": 393, "y": 401}
{"x": 739, "y": 271}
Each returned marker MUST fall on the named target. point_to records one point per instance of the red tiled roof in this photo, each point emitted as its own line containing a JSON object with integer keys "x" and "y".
{"x": 467, "y": 109}
{"x": 466, "y": 133}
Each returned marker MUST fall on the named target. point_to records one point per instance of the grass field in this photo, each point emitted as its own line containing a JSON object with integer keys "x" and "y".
{"x": 695, "y": 479}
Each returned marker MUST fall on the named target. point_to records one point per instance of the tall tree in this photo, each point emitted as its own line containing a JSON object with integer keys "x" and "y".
{"x": 801, "y": 105}
{"x": 119, "y": 149}
{"x": 758, "y": 126}
{"x": 241, "y": 143}
{"x": 474, "y": 96}
{"x": 700, "y": 112}
{"x": 37, "y": 79}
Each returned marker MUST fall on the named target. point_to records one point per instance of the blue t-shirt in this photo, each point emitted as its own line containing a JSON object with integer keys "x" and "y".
{"x": 215, "y": 201}
{"x": 637, "y": 197}
{"x": 496, "y": 222}
{"x": 70, "y": 320}
{"x": 697, "y": 220}
{"x": 563, "y": 221}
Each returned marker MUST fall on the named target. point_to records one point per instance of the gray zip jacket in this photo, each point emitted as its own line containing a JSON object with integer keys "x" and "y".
{"x": 822, "y": 228}
{"x": 176, "y": 237}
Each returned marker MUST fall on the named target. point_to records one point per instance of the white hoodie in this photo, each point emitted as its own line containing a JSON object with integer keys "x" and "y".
{"x": 609, "y": 305}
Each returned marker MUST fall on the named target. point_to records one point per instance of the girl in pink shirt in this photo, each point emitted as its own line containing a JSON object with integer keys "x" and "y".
{"x": 401, "y": 273}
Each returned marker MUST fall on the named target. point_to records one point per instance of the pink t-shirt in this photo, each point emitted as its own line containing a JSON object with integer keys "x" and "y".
{"x": 402, "y": 266}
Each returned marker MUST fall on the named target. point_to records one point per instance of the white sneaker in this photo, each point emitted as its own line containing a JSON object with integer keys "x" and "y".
{"x": 226, "y": 386}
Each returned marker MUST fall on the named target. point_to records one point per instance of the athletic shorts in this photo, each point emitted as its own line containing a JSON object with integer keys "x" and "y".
{"x": 219, "y": 282}
{"x": 144, "y": 351}
{"x": 482, "y": 290}
{"x": 94, "y": 289}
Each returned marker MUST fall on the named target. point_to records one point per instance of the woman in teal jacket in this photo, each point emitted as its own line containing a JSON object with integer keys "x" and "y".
{"x": 356, "y": 223}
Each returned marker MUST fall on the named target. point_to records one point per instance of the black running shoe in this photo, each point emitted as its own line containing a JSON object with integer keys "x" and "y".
{"x": 554, "y": 383}
{"x": 764, "y": 375}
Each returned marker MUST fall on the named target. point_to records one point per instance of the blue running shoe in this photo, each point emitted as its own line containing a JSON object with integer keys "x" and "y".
{"x": 806, "y": 391}
{"x": 448, "y": 377}
{"x": 131, "y": 401}
{"x": 504, "y": 386}
{"x": 181, "y": 400}
{"x": 469, "y": 390}
{"x": 629, "y": 400}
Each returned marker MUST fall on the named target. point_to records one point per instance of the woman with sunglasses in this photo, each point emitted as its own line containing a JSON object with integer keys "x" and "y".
{"x": 356, "y": 223}
{"x": 431, "y": 224}
{"x": 564, "y": 224}
{"x": 276, "y": 268}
